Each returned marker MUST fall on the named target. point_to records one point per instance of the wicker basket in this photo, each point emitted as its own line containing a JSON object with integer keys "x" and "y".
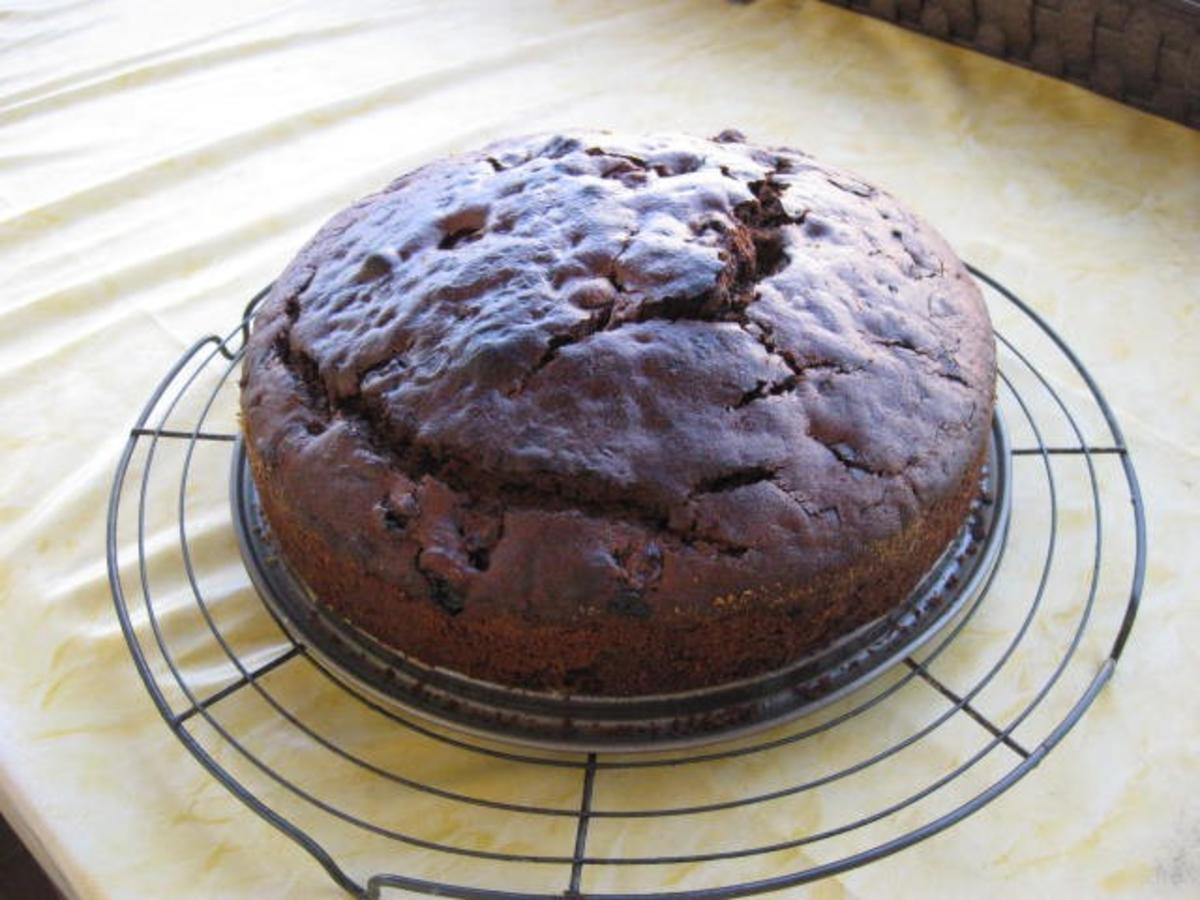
{"x": 1143, "y": 52}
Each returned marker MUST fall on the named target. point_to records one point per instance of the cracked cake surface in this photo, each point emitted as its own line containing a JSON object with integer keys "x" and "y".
{"x": 618, "y": 414}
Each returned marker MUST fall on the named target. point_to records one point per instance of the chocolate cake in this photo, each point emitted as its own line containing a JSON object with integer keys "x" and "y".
{"x": 617, "y": 415}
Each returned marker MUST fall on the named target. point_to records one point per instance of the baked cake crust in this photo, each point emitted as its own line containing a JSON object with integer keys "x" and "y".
{"x": 617, "y": 414}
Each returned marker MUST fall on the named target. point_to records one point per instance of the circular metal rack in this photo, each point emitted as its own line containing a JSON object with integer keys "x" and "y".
{"x": 988, "y": 743}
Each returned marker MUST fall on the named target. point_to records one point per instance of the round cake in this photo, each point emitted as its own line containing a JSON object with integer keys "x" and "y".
{"x": 618, "y": 415}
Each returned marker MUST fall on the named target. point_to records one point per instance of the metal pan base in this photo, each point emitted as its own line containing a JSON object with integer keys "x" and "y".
{"x": 629, "y": 724}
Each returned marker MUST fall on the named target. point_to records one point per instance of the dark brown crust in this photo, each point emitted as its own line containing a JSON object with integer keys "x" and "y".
{"x": 618, "y": 415}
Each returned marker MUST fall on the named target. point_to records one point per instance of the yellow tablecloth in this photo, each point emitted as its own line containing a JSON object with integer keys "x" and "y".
{"x": 159, "y": 162}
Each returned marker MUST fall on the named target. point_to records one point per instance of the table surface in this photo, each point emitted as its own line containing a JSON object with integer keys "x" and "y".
{"x": 160, "y": 162}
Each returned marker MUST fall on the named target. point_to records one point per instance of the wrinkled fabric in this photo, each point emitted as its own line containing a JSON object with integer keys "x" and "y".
{"x": 159, "y": 163}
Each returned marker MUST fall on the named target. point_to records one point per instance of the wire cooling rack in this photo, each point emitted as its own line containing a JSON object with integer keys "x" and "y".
{"x": 384, "y": 801}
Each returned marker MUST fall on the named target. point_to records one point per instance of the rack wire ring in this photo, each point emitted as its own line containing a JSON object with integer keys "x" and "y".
{"x": 594, "y": 765}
